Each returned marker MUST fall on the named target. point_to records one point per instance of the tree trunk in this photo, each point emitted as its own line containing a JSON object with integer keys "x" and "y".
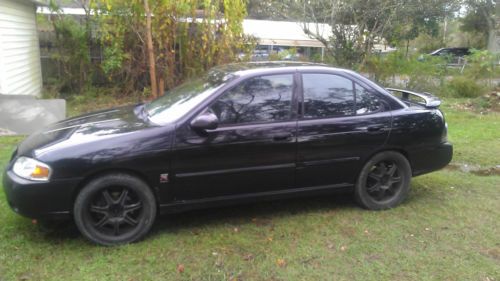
{"x": 151, "y": 53}
{"x": 492, "y": 41}
{"x": 161, "y": 85}
{"x": 407, "y": 47}
{"x": 494, "y": 31}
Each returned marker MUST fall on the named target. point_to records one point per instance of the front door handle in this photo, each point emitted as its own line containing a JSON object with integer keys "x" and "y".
{"x": 282, "y": 137}
{"x": 374, "y": 128}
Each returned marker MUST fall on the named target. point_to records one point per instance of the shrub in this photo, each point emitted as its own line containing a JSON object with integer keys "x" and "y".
{"x": 482, "y": 65}
{"x": 464, "y": 87}
{"x": 395, "y": 69}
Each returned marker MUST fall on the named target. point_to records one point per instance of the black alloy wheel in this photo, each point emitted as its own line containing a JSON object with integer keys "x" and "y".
{"x": 115, "y": 209}
{"x": 384, "y": 181}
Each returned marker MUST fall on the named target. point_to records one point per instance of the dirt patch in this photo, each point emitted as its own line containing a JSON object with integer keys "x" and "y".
{"x": 489, "y": 103}
{"x": 475, "y": 169}
{"x": 493, "y": 171}
{"x": 492, "y": 253}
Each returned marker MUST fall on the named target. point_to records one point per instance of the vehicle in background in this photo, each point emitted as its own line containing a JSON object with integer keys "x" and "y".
{"x": 452, "y": 55}
{"x": 453, "y": 52}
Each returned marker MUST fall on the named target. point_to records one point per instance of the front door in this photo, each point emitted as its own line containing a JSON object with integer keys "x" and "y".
{"x": 253, "y": 150}
{"x": 342, "y": 123}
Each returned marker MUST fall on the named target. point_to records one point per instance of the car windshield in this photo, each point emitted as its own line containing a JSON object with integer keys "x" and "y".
{"x": 180, "y": 100}
{"x": 436, "y": 51}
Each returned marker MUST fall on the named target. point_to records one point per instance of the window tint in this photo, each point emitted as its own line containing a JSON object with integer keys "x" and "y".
{"x": 327, "y": 95}
{"x": 366, "y": 102}
{"x": 258, "y": 99}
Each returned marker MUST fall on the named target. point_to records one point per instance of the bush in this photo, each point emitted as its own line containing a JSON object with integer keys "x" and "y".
{"x": 482, "y": 65}
{"x": 432, "y": 74}
{"x": 397, "y": 70}
{"x": 464, "y": 87}
{"x": 426, "y": 75}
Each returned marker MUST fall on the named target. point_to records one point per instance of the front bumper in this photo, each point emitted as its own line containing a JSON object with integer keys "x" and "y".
{"x": 43, "y": 200}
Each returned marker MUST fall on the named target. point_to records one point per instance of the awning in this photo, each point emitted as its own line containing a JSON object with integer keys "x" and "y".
{"x": 285, "y": 33}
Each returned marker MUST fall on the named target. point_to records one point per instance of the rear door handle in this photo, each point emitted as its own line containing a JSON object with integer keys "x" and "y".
{"x": 282, "y": 137}
{"x": 374, "y": 129}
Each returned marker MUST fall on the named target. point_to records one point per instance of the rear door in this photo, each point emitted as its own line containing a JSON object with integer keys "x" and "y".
{"x": 341, "y": 124}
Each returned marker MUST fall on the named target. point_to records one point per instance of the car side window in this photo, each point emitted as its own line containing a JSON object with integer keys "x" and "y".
{"x": 445, "y": 53}
{"x": 327, "y": 95}
{"x": 367, "y": 102}
{"x": 256, "y": 100}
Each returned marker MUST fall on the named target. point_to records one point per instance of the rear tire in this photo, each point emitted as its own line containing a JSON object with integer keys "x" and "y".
{"x": 115, "y": 209}
{"x": 384, "y": 181}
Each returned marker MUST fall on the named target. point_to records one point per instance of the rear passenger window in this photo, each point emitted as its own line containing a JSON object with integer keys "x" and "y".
{"x": 327, "y": 95}
{"x": 366, "y": 102}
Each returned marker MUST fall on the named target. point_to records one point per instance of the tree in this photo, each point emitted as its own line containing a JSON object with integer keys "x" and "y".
{"x": 483, "y": 16}
{"x": 264, "y": 10}
{"x": 171, "y": 40}
{"x": 419, "y": 17}
{"x": 73, "y": 42}
{"x": 356, "y": 25}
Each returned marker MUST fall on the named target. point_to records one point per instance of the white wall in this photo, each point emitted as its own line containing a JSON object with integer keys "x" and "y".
{"x": 20, "y": 71}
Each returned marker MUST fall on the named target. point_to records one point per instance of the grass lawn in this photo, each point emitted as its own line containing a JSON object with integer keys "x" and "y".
{"x": 448, "y": 229}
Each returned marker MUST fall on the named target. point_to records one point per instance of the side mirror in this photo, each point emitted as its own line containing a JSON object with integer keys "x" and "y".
{"x": 206, "y": 121}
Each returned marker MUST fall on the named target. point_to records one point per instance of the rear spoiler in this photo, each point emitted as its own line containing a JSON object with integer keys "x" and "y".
{"x": 409, "y": 97}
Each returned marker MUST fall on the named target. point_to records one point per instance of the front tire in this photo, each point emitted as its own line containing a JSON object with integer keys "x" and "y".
{"x": 384, "y": 181}
{"x": 115, "y": 209}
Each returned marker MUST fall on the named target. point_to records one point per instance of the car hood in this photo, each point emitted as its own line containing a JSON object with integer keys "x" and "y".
{"x": 84, "y": 129}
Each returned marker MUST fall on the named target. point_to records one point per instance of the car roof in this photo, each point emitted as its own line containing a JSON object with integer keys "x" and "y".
{"x": 451, "y": 49}
{"x": 246, "y": 68}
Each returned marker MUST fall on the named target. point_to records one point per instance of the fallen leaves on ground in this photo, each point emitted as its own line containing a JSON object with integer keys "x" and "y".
{"x": 281, "y": 262}
{"x": 248, "y": 257}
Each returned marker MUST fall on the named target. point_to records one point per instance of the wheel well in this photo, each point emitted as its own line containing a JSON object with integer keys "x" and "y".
{"x": 399, "y": 150}
{"x": 98, "y": 174}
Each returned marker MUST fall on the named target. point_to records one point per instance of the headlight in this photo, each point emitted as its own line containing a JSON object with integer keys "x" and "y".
{"x": 31, "y": 169}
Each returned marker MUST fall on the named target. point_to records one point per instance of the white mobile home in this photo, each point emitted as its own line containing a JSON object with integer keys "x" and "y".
{"x": 20, "y": 71}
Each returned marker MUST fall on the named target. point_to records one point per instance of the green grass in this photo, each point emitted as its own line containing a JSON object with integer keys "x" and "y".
{"x": 448, "y": 229}
{"x": 475, "y": 136}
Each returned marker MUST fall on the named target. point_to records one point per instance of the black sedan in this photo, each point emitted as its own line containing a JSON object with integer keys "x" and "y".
{"x": 240, "y": 133}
